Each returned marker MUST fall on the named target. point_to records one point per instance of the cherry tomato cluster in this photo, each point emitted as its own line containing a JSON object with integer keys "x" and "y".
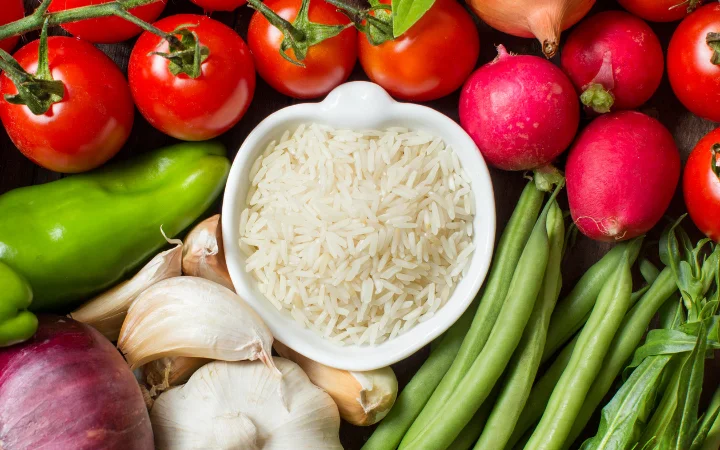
{"x": 302, "y": 48}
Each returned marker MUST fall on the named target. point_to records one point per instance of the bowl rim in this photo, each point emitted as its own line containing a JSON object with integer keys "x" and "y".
{"x": 347, "y": 103}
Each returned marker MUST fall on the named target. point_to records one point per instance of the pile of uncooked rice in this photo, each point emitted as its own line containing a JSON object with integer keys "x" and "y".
{"x": 358, "y": 235}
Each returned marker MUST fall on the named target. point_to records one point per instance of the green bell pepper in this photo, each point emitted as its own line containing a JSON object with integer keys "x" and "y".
{"x": 16, "y": 323}
{"x": 80, "y": 235}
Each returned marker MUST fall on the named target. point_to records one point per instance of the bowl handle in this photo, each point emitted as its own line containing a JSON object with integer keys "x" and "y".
{"x": 346, "y": 100}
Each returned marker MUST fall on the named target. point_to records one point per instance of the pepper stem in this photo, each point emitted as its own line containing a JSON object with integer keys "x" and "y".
{"x": 597, "y": 98}
{"x": 299, "y": 35}
{"x": 713, "y": 41}
{"x": 38, "y": 92}
{"x": 378, "y": 27}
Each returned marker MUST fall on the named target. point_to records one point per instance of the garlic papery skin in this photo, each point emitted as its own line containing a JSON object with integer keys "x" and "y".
{"x": 190, "y": 316}
{"x": 107, "y": 311}
{"x": 239, "y": 405}
{"x": 203, "y": 254}
{"x": 164, "y": 373}
{"x": 363, "y": 398}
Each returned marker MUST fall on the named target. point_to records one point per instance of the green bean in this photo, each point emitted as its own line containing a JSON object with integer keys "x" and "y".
{"x": 525, "y": 362}
{"x": 542, "y": 390}
{"x": 506, "y": 258}
{"x": 586, "y": 360}
{"x": 573, "y": 311}
{"x": 540, "y": 394}
{"x": 629, "y": 335}
{"x": 450, "y": 418}
{"x": 470, "y": 434}
{"x": 389, "y": 433}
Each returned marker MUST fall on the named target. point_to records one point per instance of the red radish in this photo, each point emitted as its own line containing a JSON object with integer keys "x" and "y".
{"x": 69, "y": 388}
{"x": 520, "y": 110}
{"x": 614, "y": 59}
{"x": 621, "y": 174}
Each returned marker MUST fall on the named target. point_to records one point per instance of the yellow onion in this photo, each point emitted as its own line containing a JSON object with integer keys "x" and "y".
{"x": 543, "y": 19}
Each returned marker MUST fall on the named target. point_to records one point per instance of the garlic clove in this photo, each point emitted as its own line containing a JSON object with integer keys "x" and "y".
{"x": 107, "y": 311}
{"x": 203, "y": 254}
{"x": 237, "y": 405}
{"x": 190, "y": 316}
{"x": 164, "y": 373}
{"x": 363, "y": 398}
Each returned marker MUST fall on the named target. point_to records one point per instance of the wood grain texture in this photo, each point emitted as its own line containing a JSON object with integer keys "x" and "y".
{"x": 16, "y": 171}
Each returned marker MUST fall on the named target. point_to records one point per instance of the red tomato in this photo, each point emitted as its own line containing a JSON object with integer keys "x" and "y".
{"x": 327, "y": 64}
{"x": 701, "y": 186}
{"x": 186, "y": 108}
{"x": 430, "y": 60}
{"x": 219, "y": 5}
{"x": 11, "y": 11}
{"x": 88, "y": 126}
{"x": 656, "y": 10}
{"x": 107, "y": 30}
{"x": 693, "y": 77}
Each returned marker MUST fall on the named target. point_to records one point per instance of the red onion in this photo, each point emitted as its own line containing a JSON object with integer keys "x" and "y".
{"x": 68, "y": 388}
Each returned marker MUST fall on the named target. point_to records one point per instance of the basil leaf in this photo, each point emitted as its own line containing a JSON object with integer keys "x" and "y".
{"x": 407, "y": 12}
{"x": 622, "y": 418}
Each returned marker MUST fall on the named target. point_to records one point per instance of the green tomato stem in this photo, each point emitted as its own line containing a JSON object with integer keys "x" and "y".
{"x": 36, "y": 20}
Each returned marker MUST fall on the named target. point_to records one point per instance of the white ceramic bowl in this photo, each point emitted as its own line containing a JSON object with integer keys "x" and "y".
{"x": 359, "y": 105}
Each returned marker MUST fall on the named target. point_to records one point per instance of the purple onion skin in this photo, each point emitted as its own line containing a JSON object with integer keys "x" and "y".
{"x": 69, "y": 388}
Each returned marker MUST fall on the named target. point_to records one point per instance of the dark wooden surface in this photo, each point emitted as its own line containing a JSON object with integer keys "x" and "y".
{"x": 17, "y": 171}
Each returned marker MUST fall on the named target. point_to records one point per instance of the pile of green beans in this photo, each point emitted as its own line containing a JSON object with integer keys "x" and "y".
{"x": 586, "y": 361}
{"x": 438, "y": 427}
{"x": 449, "y": 362}
{"x": 525, "y": 362}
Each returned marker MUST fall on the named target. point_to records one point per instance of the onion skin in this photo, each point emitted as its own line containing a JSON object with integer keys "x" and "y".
{"x": 69, "y": 388}
{"x": 621, "y": 175}
{"x": 543, "y": 19}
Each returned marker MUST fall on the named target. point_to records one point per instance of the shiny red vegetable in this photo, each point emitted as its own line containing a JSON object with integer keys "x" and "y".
{"x": 107, "y": 30}
{"x": 11, "y": 11}
{"x": 693, "y": 62}
{"x": 193, "y": 109}
{"x": 91, "y": 122}
{"x": 430, "y": 60}
{"x": 701, "y": 185}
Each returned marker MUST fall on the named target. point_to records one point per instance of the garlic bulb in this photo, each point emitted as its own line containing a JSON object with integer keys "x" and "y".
{"x": 189, "y": 316}
{"x": 107, "y": 311}
{"x": 203, "y": 254}
{"x": 164, "y": 373}
{"x": 238, "y": 405}
{"x": 363, "y": 398}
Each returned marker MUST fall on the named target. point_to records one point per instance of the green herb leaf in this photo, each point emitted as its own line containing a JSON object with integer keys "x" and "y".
{"x": 622, "y": 419}
{"x": 680, "y": 432}
{"x": 669, "y": 342}
{"x": 407, "y": 12}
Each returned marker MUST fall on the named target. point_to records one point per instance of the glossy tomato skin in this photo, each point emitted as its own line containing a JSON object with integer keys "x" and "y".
{"x": 107, "y": 30}
{"x": 430, "y": 60}
{"x": 327, "y": 64}
{"x": 90, "y": 124}
{"x": 694, "y": 79}
{"x": 219, "y": 5}
{"x": 701, "y": 187}
{"x": 186, "y": 108}
{"x": 656, "y": 10}
{"x": 11, "y": 11}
